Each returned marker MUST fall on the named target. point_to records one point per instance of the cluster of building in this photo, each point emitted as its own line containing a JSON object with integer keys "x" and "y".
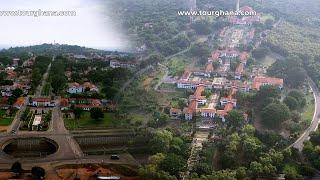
{"x": 245, "y": 20}
{"x": 13, "y": 80}
{"x": 222, "y": 77}
{"x": 85, "y": 104}
{"x": 122, "y": 64}
{"x": 41, "y": 102}
{"x": 75, "y": 88}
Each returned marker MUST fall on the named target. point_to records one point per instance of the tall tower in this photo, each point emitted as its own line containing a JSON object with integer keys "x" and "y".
{"x": 238, "y": 5}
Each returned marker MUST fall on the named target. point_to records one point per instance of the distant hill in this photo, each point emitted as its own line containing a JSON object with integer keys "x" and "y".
{"x": 53, "y": 49}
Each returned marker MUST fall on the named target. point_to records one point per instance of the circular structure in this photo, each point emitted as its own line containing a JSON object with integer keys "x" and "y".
{"x": 32, "y": 147}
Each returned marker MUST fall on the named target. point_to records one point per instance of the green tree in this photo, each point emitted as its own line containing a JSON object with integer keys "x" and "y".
{"x": 260, "y": 53}
{"x": 291, "y": 102}
{"x": 291, "y": 173}
{"x": 235, "y": 119}
{"x": 201, "y": 27}
{"x": 58, "y": 83}
{"x": 274, "y": 114}
{"x": 299, "y": 96}
{"x": 266, "y": 92}
{"x": 157, "y": 159}
{"x": 173, "y": 164}
{"x": 77, "y": 113}
{"x": 151, "y": 172}
{"x": 160, "y": 141}
{"x": 96, "y": 113}
{"x": 269, "y": 23}
{"x": 202, "y": 169}
{"x": 17, "y": 92}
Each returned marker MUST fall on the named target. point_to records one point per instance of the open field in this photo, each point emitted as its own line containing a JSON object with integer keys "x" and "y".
{"x": 178, "y": 64}
{"x": 86, "y": 121}
{"x": 267, "y": 61}
{"x": 4, "y": 119}
{"x": 307, "y": 115}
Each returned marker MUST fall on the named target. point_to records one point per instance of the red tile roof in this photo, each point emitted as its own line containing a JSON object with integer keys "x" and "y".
{"x": 175, "y": 110}
{"x": 20, "y": 102}
{"x": 228, "y": 107}
{"x": 41, "y": 99}
{"x": 64, "y": 102}
{"x": 258, "y": 81}
{"x": 209, "y": 68}
{"x": 73, "y": 85}
{"x": 208, "y": 110}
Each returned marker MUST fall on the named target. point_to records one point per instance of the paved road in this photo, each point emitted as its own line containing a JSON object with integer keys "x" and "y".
{"x": 156, "y": 87}
{"x": 16, "y": 121}
{"x": 44, "y": 80}
{"x": 315, "y": 120}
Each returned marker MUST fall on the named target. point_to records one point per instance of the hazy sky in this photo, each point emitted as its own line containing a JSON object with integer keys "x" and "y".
{"x": 92, "y": 26}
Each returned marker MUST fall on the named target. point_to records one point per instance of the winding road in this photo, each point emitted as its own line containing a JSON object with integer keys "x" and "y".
{"x": 315, "y": 120}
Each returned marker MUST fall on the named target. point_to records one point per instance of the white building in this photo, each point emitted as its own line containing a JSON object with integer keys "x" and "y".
{"x": 37, "y": 121}
{"x": 208, "y": 112}
{"x": 74, "y": 88}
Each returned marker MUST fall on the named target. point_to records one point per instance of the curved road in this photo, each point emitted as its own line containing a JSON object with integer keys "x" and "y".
{"x": 315, "y": 120}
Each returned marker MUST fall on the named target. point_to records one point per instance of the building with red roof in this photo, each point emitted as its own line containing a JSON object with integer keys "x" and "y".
{"x": 19, "y": 102}
{"x": 239, "y": 71}
{"x": 42, "y": 102}
{"x": 259, "y": 81}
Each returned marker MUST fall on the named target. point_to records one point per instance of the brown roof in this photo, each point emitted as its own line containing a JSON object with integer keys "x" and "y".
{"x": 64, "y": 102}
{"x": 20, "y": 101}
{"x": 261, "y": 80}
{"x": 73, "y": 85}
{"x": 175, "y": 110}
{"x": 41, "y": 99}
{"x": 208, "y": 110}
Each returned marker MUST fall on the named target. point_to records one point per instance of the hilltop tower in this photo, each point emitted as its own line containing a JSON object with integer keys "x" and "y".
{"x": 238, "y": 5}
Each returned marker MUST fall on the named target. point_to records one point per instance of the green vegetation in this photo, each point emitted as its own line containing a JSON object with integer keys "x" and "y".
{"x": 56, "y": 75}
{"x": 311, "y": 149}
{"x": 177, "y": 65}
{"x": 274, "y": 114}
{"x": 85, "y": 121}
{"x": 40, "y": 67}
{"x": 46, "y": 89}
{"x": 154, "y": 24}
{"x": 170, "y": 155}
{"x": 5, "y": 119}
{"x": 308, "y": 112}
{"x": 291, "y": 69}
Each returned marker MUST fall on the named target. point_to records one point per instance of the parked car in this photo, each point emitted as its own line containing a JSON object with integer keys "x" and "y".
{"x": 114, "y": 157}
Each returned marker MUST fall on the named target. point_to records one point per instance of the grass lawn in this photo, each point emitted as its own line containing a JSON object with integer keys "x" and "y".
{"x": 141, "y": 118}
{"x": 6, "y": 121}
{"x": 86, "y": 121}
{"x": 267, "y": 61}
{"x": 307, "y": 115}
{"x": 168, "y": 86}
{"x": 177, "y": 65}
